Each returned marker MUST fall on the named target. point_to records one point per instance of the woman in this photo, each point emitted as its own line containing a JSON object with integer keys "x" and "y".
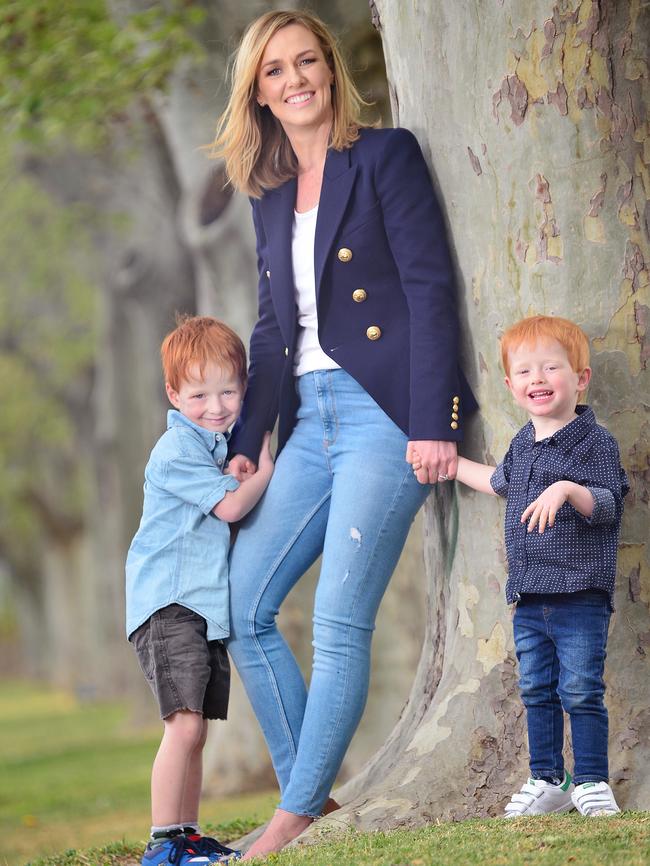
{"x": 356, "y": 350}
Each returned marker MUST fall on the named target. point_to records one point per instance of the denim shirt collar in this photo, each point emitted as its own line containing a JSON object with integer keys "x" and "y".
{"x": 569, "y": 435}
{"x": 177, "y": 419}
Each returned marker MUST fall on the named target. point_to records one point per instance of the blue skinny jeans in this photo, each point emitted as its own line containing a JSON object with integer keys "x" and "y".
{"x": 342, "y": 487}
{"x": 560, "y": 640}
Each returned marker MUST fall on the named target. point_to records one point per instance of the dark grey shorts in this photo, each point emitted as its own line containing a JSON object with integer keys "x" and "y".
{"x": 185, "y": 671}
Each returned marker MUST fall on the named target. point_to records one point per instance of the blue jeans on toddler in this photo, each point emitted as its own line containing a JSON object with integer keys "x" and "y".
{"x": 342, "y": 487}
{"x": 560, "y": 640}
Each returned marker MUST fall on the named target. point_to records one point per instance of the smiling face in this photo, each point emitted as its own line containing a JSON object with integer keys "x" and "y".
{"x": 294, "y": 80}
{"x": 543, "y": 382}
{"x": 211, "y": 400}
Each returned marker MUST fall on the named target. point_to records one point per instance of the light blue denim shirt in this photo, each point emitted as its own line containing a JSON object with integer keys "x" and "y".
{"x": 180, "y": 552}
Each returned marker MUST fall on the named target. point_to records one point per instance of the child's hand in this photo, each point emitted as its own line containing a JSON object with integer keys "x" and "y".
{"x": 240, "y": 467}
{"x": 543, "y": 510}
{"x": 265, "y": 462}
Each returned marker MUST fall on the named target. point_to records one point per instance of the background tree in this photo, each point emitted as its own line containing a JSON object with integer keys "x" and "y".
{"x": 535, "y": 117}
{"x": 109, "y": 104}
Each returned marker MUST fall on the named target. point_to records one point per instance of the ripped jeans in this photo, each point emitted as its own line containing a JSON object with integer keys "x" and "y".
{"x": 341, "y": 487}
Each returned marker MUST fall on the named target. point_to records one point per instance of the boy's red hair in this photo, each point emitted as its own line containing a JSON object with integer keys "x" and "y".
{"x": 197, "y": 341}
{"x": 529, "y": 331}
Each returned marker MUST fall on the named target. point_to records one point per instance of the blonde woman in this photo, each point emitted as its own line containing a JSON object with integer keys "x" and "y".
{"x": 356, "y": 352}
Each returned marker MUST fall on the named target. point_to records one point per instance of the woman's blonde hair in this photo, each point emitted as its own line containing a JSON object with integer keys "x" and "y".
{"x": 255, "y": 147}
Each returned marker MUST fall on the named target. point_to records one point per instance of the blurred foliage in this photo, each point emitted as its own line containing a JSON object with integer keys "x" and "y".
{"x": 75, "y": 772}
{"x": 68, "y": 71}
{"x": 47, "y": 344}
{"x": 69, "y": 66}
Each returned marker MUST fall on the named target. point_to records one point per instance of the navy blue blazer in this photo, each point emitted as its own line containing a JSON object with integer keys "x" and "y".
{"x": 379, "y": 229}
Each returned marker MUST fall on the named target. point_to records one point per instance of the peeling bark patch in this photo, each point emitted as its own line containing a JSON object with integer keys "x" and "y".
{"x": 473, "y": 158}
{"x": 593, "y": 225}
{"x": 635, "y": 269}
{"x": 597, "y": 199}
{"x": 560, "y": 99}
{"x": 634, "y": 584}
{"x": 492, "y": 651}
{"x": 514, "y": 91}
{"x": 549, "y": 242}
{"x": 641, "y": 319}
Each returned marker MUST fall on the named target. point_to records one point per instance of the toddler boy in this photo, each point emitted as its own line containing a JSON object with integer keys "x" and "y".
{"x": 177, "y": 575}
{"x": 564, "y": 487}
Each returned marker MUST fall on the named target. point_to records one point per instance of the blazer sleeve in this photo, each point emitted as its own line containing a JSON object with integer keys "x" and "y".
{"x": 266, "y": 363}
{"x": 417, "y": 238}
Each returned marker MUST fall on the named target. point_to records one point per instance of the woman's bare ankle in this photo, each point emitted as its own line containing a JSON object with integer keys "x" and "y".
{"x": 283, "y": 828}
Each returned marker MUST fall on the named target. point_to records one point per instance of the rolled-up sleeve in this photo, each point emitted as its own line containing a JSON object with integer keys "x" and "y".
{"x": 196, "y": 481}
{"x": 604, "y": 506}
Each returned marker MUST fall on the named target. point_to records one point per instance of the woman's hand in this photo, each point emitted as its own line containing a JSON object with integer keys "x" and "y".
{"x": 240, "y": 467}
{"x": 432, "y": 460}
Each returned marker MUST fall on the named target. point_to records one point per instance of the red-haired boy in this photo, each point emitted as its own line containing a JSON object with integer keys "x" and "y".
{"x": 177, "y": 574}
{"x": 564, "y": 487}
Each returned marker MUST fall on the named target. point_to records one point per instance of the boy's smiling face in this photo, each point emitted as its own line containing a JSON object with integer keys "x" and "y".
{"x": 543, "y": 382}
{"x": 211, "y": 400}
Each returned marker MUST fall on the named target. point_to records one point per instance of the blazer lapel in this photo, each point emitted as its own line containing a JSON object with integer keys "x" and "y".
{"x": 338, "y": 180}
{"x": 276, "y": 208}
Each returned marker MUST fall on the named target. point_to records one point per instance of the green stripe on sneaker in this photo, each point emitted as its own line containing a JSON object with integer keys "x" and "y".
{"x": 567, "y": 781}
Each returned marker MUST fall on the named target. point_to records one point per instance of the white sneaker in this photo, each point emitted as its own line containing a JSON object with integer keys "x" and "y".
{"x": 594, "y": 799}
{"x": 538, "y": 797}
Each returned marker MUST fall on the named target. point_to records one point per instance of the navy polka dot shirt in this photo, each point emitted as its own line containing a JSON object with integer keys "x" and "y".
{"x": 576, "y": 552}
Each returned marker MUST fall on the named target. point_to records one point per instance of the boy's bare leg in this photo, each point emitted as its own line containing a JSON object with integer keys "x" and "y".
{"x": 183, "y": 732}
{"x": 194, "y": 781}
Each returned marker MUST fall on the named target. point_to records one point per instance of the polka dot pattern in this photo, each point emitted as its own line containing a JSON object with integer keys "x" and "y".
{"x": 575, "y": 553}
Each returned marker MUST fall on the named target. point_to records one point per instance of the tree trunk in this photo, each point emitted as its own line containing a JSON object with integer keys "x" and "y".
{"x": 534, "y": 116}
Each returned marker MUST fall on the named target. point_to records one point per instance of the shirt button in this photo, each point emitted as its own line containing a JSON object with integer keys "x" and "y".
{"x": 218, "y": 437}
{"x": 220, "y": 461}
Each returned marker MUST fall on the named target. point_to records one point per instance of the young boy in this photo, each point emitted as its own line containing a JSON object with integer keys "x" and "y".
{"x": 177, "y": 574}
{"x": 564, "y": 487}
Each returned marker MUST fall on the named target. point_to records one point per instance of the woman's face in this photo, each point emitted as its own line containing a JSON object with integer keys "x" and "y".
{"x": 294, "y": 80}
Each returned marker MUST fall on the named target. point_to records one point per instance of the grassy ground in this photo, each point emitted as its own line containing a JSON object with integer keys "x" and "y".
{"x": 562, "y": 840}
{"x": 76, "y": 775}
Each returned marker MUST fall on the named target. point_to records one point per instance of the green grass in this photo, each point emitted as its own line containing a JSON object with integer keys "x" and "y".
{"x": 557, "y": 840}
{"x": 77, "y": 775}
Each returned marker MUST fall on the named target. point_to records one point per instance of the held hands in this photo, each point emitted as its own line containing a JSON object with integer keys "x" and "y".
{"x": 543, "y": 510}
{"x": 241, "y": 468}
{"x": 432, "y": 460}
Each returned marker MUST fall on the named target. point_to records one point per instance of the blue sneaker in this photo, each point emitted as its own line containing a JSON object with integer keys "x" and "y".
{"x": 212, "y": 848}
{"x": 178, "y": 851}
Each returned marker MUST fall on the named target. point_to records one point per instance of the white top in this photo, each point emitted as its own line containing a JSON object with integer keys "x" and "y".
{"x": 309, "y": 355}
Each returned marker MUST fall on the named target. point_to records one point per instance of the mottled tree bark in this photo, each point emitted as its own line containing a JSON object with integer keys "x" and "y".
{"x": 534, "y": 116}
